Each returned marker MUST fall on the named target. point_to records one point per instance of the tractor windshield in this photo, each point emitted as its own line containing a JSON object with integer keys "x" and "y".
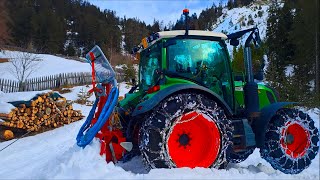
{"x": 204, "y": 62}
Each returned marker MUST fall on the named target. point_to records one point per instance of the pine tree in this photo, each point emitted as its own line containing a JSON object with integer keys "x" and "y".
{"x": 238, "y": 60}
{"x": 21, "y": 28}
{"x": 4, "y": 31}
{"x": 275, "y": 70}
{"x": 304, "y": 60}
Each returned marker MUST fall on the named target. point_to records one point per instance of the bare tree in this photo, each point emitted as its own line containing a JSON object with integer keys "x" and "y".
{"x": 23, "y": 64}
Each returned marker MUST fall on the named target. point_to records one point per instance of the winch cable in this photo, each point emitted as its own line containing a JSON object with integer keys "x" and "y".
{"x": 87, "y": 123}
{"x": 85, "y": 139}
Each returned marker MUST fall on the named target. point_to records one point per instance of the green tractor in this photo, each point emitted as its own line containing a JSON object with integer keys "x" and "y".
{"x": 189, "y": 110}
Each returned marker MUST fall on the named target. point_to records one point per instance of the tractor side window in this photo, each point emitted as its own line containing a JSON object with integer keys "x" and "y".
{"x": 149, "y": 65}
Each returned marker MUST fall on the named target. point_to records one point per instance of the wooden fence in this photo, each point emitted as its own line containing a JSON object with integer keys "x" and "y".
{"x": 49, "y": 82}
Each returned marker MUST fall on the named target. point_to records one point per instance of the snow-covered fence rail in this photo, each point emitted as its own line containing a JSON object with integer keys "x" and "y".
{"x": 49, "y": 82}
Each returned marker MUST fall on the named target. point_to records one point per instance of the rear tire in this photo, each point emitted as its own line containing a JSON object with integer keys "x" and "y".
{"x": 186, "y": 130}
{"x": 291, "y": 141}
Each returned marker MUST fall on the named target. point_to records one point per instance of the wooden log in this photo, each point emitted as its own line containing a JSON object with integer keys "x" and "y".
{"x": 34, "y": 110}
{"x": 5, "y": 119}
{"x": 3, "y": 115}
{"x": 40, "y": 99}
{"x": 20, "y": 124}
{"x": 11, "y": 114}
{"x": 5, "y": 123}
{"x": 34, "y": 103}
{"x": 48, "y": 111}
{"x": 28, "y": 111}
{"x": 6, "y": 135}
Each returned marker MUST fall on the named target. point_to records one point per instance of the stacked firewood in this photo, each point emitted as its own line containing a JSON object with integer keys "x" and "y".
{"x": 43, "y": 111}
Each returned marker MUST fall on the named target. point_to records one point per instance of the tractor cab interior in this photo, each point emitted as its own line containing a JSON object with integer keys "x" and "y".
{"x": 202, "y": 61}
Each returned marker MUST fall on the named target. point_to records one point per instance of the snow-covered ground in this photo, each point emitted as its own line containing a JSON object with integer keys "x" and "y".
{"x": 48, "y": 65}
{"x": 54, "y": 155}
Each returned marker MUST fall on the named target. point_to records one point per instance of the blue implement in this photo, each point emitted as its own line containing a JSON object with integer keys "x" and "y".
{"x": 102, "y": 74}
{"x": 87, "y": 133}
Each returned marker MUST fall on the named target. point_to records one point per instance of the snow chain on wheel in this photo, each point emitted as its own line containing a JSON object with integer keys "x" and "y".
{"x": 186, "y": 130}
{"x": 291, "y": 141}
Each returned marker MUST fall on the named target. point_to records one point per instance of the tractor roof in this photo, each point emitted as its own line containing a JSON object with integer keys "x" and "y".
{"x": 148, "y": 41}
{"x": 169, "y": 34}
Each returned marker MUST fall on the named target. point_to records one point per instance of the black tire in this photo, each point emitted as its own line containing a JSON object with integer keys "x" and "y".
{"x": 237, "y": 157}
{"x": 274, "y": 151}
{"x": 154, "y": 131}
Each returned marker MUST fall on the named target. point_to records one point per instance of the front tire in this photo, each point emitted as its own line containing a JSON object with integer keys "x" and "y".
{"x": 291, "y": 141}
{"x": 186, "y": 130}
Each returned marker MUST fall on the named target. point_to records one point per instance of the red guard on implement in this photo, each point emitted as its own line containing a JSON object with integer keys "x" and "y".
{"x": 108, "y": 136}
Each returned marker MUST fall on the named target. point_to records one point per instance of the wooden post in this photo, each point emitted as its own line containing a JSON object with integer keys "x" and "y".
{"x": 1, "y": 85}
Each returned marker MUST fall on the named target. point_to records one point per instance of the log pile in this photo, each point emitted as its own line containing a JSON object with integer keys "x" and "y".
{"x": 44, "y": 111}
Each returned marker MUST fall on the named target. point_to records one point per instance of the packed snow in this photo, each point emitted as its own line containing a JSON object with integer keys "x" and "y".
{"x": 55, "y": 155}
{"x": 5, "y": 107}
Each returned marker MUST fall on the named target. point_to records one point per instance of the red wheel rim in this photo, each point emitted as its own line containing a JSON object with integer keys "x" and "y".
{"x": 194, "y": 141}
{"x": 295, "y": 139}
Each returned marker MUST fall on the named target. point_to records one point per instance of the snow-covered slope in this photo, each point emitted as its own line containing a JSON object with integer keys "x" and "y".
{"x": 242, "y": 18}
{"x": 236, "y": 19}
{"x": 48, "y": 65}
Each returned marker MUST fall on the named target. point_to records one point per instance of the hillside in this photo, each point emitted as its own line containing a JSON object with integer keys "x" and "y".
{"x": 236, "y": 19}
{"x": 254, "y": 15}
{"x": 46, "y": 65}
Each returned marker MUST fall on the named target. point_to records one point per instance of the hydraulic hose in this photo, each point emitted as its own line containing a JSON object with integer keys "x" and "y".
{"x": 84, "y": 139}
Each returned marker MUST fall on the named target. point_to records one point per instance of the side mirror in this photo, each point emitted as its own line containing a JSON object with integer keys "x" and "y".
{"x": 234, "y": 42}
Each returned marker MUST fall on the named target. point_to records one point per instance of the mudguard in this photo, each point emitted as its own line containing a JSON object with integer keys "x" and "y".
{"x": 259, "y": 126}
{"x": 149, "y": 104}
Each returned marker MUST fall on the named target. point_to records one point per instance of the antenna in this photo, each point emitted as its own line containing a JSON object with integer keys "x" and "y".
{"x": 186, "y": 13}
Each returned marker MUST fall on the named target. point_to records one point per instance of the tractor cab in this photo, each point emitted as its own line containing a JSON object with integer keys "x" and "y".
{"x": 200, "y": 58}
